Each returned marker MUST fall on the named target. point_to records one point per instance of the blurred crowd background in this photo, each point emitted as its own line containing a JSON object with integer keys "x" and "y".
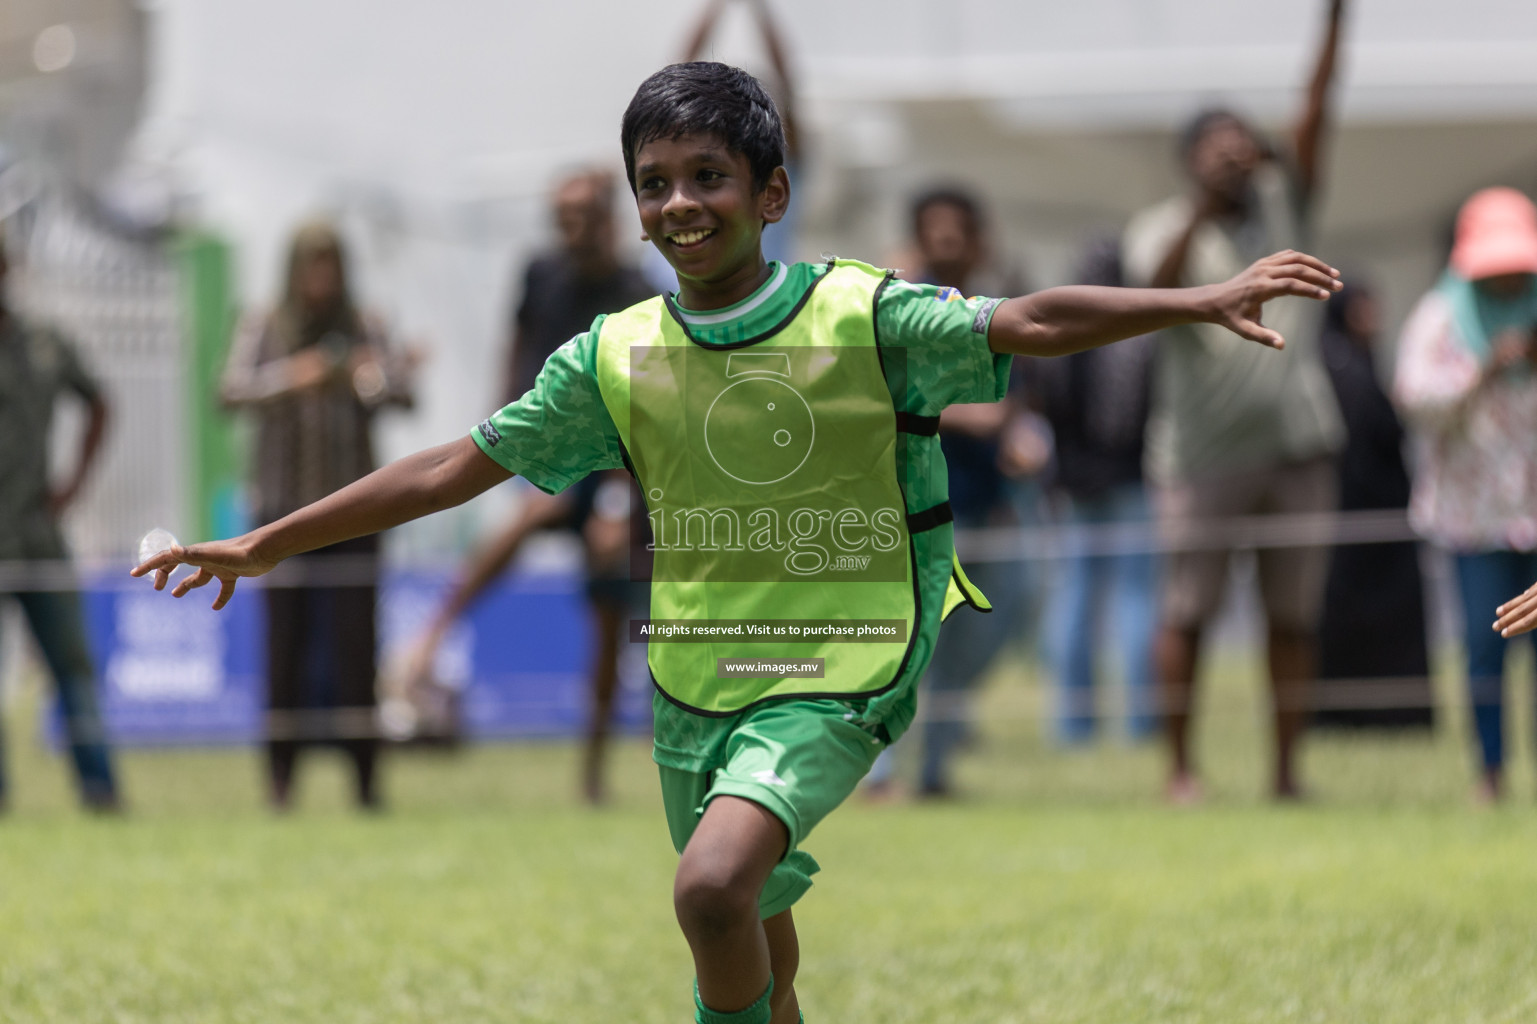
{"x": 427, "y": 199}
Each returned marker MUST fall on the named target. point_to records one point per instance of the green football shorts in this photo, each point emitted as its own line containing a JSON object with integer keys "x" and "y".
{"x": 799, "y": 759}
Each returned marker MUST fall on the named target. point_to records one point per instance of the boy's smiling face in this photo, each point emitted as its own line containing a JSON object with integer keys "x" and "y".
{"x": 697, "y": 205}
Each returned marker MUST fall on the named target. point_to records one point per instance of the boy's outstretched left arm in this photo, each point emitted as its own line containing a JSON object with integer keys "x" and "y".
{"x": 1061, "y": 321}
{"x": 406, "y": 489}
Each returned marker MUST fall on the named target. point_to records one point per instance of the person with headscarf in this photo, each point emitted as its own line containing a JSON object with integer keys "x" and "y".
{"x": 1465, "y": 382}
{"x": 1373, "y": 654}
{"x": 315, "y": 371}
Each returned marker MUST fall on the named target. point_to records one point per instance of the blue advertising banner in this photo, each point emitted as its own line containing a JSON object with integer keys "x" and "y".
{"x": 177, "y": 672}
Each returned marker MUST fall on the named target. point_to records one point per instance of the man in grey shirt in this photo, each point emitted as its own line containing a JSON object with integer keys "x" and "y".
{"x": 36, "y": 366}
{"x": 1236, "y": 430}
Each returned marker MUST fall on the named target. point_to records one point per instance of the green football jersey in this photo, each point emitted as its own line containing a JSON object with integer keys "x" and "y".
{"x": 561, "y": 431}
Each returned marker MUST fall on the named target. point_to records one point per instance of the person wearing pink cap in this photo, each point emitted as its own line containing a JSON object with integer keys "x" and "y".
{"x": 1467, "y": 384}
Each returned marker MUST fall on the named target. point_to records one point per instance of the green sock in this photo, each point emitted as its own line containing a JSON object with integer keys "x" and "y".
{"x": 757, "y": 1013}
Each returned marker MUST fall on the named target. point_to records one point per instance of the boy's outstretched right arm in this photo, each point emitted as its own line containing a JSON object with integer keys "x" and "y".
{"x": 412, "y": 487}
{"x": 1061, "y": 321}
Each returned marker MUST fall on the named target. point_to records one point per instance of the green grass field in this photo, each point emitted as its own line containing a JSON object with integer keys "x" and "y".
{"x": 1058, "y": 890}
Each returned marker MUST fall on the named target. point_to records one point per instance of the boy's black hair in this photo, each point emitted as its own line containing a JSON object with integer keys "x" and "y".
{"x": 705, "y": 97}
{"x": 946, "y": 195}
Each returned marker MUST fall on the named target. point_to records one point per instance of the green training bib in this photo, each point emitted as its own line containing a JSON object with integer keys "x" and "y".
{"x": 771, "y": 478}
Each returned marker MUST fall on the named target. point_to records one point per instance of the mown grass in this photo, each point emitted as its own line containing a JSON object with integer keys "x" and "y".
{"x": 1058, "y": 889}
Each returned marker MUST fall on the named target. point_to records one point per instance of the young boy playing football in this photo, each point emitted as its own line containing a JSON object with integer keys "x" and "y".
{"x": 781, "y": 420}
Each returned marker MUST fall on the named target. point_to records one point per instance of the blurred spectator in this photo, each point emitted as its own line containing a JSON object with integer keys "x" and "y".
{"x": 1373, "y": 622}
{"x": 606, "y": 513}
{"x": 950, "y": 236}
{"x": 315, "y": 371}
{"x": 1237, "y": 429}
{"x": 37, "y": 364}
{"x": 1465, "y": 382}
{"x": 564, "y": 292}
{"x": 1097, "y": 405}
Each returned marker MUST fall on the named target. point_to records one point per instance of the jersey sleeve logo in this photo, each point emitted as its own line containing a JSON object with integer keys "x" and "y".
{"x": 948, "y": 294}
{"x": 490, "y": 433}
{"x": 984, "y": 315}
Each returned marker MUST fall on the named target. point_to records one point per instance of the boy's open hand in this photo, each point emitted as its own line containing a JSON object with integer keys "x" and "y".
{"x": 1236, "y": 303}
{"x": 1519, "y": 615}
{"x": 224, "y": 560}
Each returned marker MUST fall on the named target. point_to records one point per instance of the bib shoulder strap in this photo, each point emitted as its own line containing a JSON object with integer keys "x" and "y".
{"x": 851, "y": 286}
{"x": 637, "y": 325}
{"x": 641, "y": 324}
{"x": 869, "y": 270}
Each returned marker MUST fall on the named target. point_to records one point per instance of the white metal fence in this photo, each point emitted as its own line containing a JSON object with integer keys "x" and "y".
{"x": 117, "y": 298}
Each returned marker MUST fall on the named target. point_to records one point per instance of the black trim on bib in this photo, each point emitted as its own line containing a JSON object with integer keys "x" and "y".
{"x": 968, "y": 593}
{"x": 624, "y": 456}
{"x": 901, "y": 467}
{"x": 930, "y": 518}
{"x": 912, "y": 548}
{"x": 781, "y": 325}
{"x": 922, "y": 426}
{"x": 875, "y": 327}
{"x": 918, "y": 603}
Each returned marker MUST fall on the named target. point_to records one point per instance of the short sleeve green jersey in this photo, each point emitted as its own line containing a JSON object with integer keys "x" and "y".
{"x": 561, "y": 431}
